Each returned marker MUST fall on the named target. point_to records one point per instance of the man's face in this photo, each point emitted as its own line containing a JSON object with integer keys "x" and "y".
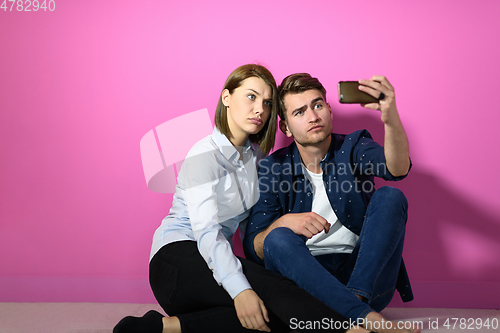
{"x": 309, "y": 117}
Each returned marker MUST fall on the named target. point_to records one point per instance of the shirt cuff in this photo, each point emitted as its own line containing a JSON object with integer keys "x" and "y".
{"x": 392, "y": 178}
{"x": 236, "y": 284}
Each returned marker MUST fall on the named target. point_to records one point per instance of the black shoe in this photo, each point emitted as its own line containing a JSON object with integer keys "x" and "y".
{"x": 151, "y": 322}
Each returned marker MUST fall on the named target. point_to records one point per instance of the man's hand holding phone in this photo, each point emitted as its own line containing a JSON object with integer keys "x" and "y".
{"x": 376, "y": 93}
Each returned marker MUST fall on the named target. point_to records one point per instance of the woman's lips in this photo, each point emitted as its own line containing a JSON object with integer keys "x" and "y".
{"x": 256, "y": 121}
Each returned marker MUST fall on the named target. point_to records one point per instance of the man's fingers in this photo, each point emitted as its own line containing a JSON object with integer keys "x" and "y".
{"x": 312, "y": 230}
{"x": 305, "y": 232}
{"x": 373, "y": 106}
{"x": 383, "y": 80}
{"x": 327, "y": 228}
{"x": 320, "y": 218}
{"x": 374, "y": 91}
{"x": 376, "y": 85}
{"x": 325, "y": 225}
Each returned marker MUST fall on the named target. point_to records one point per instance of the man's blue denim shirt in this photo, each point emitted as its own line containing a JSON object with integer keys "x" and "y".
{"x": 348, "y": 168}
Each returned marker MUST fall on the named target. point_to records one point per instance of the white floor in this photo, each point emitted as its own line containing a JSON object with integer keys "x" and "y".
{"x": 101, "y": 317}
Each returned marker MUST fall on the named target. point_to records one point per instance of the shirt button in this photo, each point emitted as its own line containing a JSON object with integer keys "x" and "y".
{"x": 308, "y": 194}
{"x": 264, "y": 213}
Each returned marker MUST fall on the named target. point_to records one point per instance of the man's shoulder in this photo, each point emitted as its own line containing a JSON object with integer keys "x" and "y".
{"x": 354, "y": 135}
{"x": 344, "y": 141}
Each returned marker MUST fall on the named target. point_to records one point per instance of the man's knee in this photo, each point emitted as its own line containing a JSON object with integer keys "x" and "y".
{"x": 393, "y": 202}
{"x": 391, "y": 195}
{"x": 281, "y": 239}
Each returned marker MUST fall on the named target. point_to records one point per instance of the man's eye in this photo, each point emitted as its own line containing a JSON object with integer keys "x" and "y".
{"x": 318, "y": 106}
{"x": 251, "y": 96}
{"x": 298, "y": 113}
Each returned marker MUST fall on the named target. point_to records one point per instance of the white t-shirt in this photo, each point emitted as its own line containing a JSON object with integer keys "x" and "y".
{"x": 339, "y": 239}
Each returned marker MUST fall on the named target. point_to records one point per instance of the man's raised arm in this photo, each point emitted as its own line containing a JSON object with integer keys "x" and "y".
{"x": 396, "y": 149}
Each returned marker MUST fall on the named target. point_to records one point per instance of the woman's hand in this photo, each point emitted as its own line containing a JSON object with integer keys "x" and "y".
{"x": 251, "y": 311}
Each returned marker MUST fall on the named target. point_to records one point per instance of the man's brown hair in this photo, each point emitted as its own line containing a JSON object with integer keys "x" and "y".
{"x": 295, "y": 84}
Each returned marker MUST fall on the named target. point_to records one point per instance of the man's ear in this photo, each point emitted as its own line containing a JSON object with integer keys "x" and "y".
{"x": 284, "y": 128}
{"x": 225, "y": 97}
{"x": 330, "y": 109}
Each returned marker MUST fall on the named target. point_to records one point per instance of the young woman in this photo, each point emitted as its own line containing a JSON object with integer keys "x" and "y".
{"x": 194, "y": 274}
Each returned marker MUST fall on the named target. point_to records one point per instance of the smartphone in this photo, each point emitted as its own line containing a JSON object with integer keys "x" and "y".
{"x": 350, "y": 94}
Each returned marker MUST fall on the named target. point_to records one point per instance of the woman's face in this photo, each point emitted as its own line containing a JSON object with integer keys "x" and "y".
{"x": 248, "y": 107}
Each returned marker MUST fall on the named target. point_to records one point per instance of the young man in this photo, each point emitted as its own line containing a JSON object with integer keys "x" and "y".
{"x": 319, "y": 220}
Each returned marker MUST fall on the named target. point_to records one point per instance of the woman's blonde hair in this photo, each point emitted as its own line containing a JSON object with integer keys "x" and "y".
{"x": 265, "y": 138}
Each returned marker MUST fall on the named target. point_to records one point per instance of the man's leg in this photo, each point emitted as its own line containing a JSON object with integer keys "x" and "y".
{"x": 376, "y": 259}
{"x": 286, "y": 253}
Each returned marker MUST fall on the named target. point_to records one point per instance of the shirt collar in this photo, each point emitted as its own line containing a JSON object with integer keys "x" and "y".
{"x": 226, "y": 147}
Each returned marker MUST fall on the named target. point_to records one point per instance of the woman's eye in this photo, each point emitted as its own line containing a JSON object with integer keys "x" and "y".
{"x": 268, "y": 103}
{"x": 251, "y": 97}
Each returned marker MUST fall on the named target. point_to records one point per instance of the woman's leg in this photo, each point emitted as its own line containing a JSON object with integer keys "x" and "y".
{"x": 184, "y": 287}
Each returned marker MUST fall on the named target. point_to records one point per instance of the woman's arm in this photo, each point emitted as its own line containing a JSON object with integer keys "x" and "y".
{"x": 202, "y": 177}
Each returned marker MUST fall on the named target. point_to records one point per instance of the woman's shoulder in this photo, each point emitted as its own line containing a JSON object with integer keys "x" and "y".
{"x": 202, "y": 158}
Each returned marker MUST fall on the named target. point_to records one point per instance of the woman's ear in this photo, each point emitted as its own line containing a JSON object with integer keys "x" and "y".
{"x": 225, "y": 97}
{"x": 284, "y": 128}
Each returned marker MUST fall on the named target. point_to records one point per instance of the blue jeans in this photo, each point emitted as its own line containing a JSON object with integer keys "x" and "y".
{"x": 371, "y": 270}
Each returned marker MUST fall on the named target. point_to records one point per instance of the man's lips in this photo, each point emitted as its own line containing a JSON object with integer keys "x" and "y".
{"x": 315, "y": 128}
{"x": 256, "y": 121}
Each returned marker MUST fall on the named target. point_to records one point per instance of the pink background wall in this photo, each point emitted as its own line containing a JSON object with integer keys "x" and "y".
{"x": 80, "y": 86}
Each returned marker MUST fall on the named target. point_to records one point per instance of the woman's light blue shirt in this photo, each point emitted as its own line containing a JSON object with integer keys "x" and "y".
{"x": 215, "y": 191}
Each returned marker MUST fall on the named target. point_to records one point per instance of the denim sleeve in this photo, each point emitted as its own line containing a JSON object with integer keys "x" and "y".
{"x": 368, "y": 156}
{"x": 267, "y": 209}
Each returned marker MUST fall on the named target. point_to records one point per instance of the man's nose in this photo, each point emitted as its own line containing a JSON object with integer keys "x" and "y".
{"x": 313, "y": 116}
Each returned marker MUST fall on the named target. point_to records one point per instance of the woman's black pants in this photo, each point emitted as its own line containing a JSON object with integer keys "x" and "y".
{"x": 185, "y": 287}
